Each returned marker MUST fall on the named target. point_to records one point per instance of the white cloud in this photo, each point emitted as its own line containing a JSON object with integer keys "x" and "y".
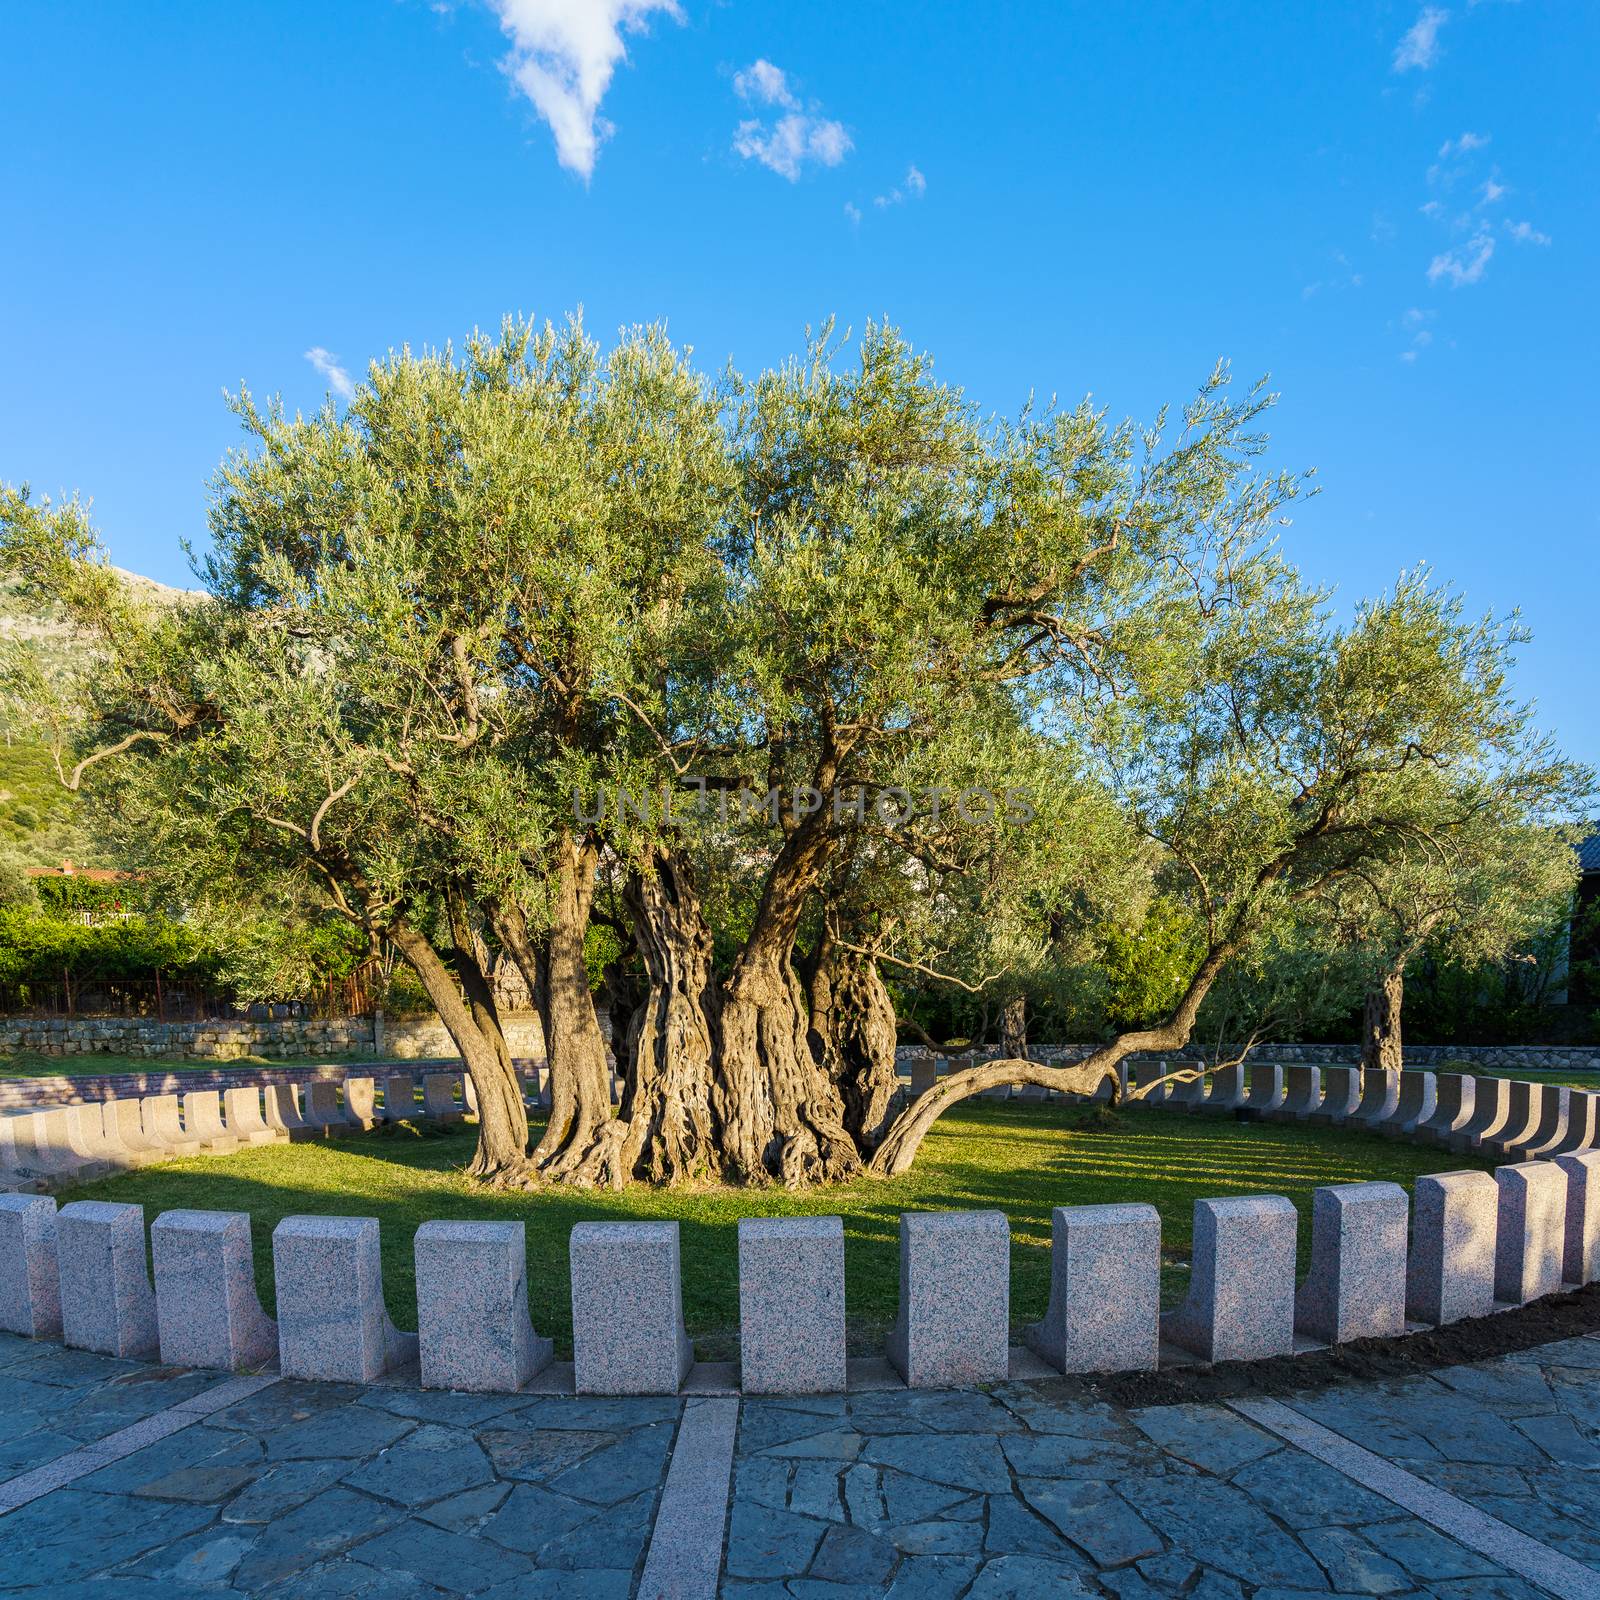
{"x": 911, "y": 187}
{"x": 1465, "y": 145}
{"x": 801, "y": 135}
{"x": 1492, "y": 192}
{"x": 1466, "y": 264}
{"x": 765, "y": 84}
{"x": 1420, "y": 45}
{"x": 563, "y": 56}
{"x": 328, "y": 365}
{"x": 1526, "y": 233}
{"x": 853, "y": 212}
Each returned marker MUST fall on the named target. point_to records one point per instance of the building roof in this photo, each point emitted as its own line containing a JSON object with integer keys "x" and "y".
{"x": 1589, "y": 855}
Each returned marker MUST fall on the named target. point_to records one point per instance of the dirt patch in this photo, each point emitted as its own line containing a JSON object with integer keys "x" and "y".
{"x": 1563, "y": 1316}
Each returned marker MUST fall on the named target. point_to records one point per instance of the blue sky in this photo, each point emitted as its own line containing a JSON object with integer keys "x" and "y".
{"x": 1389, "y": 207}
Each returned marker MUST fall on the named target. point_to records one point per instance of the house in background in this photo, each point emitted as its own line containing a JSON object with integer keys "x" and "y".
{"x": 1583, "y": 951}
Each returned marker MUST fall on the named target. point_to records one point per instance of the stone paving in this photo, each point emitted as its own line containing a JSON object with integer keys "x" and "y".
{"x": 328, "y": 1490}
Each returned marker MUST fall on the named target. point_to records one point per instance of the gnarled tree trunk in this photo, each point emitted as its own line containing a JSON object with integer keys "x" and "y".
{"x": 853, "y": 1036}
{"x": 1381, "y": 1043}
{"x": 1014, "y": 1027}
{"x": 553, "y": 968}
{"x": 666, "y": 1129}
{"x": 502, "y": 1153}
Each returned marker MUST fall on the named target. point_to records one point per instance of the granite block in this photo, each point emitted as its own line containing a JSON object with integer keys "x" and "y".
{"x": 1450, "y": 1272}
{"x": 325, "y": 1112}
{"x": 1522, "y": 1117}
{"x": 202, "y": 1119}
{"x": 163, "y": 1122}
{"x": 123, "y": 1121}
{"x": 1105, "y": 1290}
{"x": 1550, "y": 1104}
{"x": 107, "y": 1304}
{"x": 924, "y": 1075}
{"x": 242, "y": 1109}
{"x": 1580, "y": 1259}
{"x": 439, "y": 1097}
{"x": 1226, "y": 1091}
{"x": 472, "y": 1307}
{"x": 627, "y": 1309}
{"x": 30, "y": 1285}
{"x": 1240, "y": 1305}
{"x": 281, "y": 1102}
{"x": 953, "y": 1324}
{"x": 791, "y": 1304}
{"x": 1356, "y": 1288}
{"x": 1491, "y": 1106}
{"x": 1583, "y": 1126}
{"x": 207, "y": 1313}
{"x": 1148, "y": 1076}
{"x": 1453, "y": 1105}
{"x": 400, "y": 1098}
{"x": 1266, "y": 1087}
{"x": 1531, "y": 1241}
{"x": 1380, "y": 1096}
{"x": 332, "y": 1322}
{"x": 1302, "y": 1095}
{"x": 1413, "y": 1106}
{"x": 1341, "y": 1095}
{"x": 46, "y": 1148}
{"x": 361, "y": 1102}
{"x": 86, "y": 1129}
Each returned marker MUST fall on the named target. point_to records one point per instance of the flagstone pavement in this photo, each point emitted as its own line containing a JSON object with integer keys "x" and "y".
{"x": 315, "y": 1490}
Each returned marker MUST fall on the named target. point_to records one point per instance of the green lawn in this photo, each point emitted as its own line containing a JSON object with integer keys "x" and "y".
{"x": 1574, "y": 1080}
{"x": 1022, "y": 1159}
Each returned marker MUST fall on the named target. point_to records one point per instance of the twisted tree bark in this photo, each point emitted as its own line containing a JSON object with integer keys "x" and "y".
{"x": 853, "y": 1037}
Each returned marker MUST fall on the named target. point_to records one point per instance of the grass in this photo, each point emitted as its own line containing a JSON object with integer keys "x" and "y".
{"x": 35, "y": 1064}
{"x": 1572, "y": 1080}
{"x": 1021, "y": 1159}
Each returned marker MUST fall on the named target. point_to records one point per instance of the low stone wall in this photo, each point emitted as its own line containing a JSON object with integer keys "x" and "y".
{"x": 288, "y": 1039}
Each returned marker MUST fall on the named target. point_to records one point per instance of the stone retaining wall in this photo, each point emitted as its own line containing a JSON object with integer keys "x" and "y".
{"x": 289, "y": 1039}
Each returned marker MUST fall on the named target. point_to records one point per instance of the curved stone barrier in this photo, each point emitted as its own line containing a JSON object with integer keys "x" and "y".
{"x": 62, "y": 1145}
{"x": 1470, "y": 1243}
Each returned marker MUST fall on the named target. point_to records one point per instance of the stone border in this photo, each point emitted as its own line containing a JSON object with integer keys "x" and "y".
{"x": 1379, "y": 1266}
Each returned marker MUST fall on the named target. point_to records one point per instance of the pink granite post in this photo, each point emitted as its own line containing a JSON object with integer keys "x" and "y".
{"x": 332, "y": 1321}
{"x": 1240, "y": 1305}
{"x": 953, "y": 1324}
{"x": 1531, "y": 1242}
{"x": 207, "y": 1312}
{"x": 30, "y": 1285}
{"x": 473, "y": 1330}
{"x": 1450, "y": 1274}
{"x": 791, "y": 1305}
{"x": 1356, "y": 1288}
{"x": 1105, "y": 1290}
{"x": 1580, "y": 1261}
{"x": 107, "y": 1304}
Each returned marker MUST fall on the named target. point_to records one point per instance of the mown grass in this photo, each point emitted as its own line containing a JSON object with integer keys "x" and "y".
{"x": 1022, "y": 1159}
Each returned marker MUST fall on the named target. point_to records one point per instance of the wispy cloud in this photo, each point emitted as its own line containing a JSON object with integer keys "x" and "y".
{"x": 911, "y": 187}
{"x": 764, "y": 84}
{"x": 1415, "y": 323}
{"x": 801, "y": 135}
{"x": 563, "y": 56}
{"x": 853, "y": 212}
{"x": 1465, "y": 264}
{"x": 1465, "y": 145}
{"x": 327, "y": 363}
{"x": 1419, "y": 46}
{"x": 1492, "y": 192}
{"x": 1526, "y": 233}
